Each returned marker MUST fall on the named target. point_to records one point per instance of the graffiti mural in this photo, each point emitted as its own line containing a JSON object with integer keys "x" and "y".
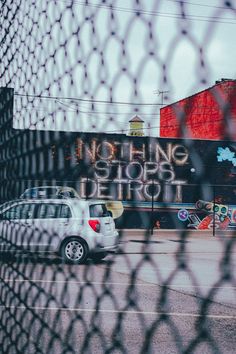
{"x": 218, "y": 216}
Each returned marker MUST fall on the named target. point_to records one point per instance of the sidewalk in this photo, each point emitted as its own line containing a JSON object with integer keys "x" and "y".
{"x": 179, "y": 233}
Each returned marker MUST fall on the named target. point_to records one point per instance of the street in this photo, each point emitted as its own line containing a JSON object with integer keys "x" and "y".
{"x": 159, "y": 294}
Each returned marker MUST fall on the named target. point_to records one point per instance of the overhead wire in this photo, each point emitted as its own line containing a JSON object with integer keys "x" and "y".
{"x": 228, "y": 7}
{"x": 46, "y": 109}
{"x": 58, "y": 100}
{"x": 86, "y": 100}
{"x": 156, "y": 13}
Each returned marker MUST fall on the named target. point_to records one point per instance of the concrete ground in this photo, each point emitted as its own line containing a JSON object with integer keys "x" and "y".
{"x": 160, "y": 293}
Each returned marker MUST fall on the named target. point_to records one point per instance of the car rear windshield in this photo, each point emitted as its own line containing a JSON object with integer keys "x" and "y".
{"x": 98, "y": 211}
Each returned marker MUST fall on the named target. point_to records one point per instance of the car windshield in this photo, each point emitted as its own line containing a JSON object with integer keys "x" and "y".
{"x": 98, "y": 210}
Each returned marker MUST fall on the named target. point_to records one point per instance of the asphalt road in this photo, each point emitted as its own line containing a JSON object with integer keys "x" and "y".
{"x": 164, "y": 293}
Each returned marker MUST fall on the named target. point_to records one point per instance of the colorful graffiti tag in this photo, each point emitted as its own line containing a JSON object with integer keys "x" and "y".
{"x": 213, "y": 215}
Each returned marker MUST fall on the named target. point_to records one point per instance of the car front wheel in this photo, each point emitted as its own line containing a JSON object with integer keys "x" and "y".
{"x": 74, "y": 250}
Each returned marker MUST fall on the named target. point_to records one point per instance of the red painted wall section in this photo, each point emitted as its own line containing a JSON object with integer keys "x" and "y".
{"x": 209, "y": 114}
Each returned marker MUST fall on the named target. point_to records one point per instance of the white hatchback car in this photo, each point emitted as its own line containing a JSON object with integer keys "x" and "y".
{"x": 73, "y": 228}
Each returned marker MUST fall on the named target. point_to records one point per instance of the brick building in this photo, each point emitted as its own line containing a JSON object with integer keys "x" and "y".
{"x": 209, "y": 114}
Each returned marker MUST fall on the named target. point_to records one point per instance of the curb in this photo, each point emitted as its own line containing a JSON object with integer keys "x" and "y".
{"x": 174, "y": 232}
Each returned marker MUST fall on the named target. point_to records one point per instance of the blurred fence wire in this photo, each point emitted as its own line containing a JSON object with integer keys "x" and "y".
{"x": 73, "y": 73}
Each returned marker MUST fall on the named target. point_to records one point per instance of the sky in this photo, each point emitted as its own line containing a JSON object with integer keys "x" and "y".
{"x": 67, "y": 60}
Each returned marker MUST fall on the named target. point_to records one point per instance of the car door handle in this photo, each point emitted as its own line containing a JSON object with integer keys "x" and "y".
{"x": 63, "y": 223}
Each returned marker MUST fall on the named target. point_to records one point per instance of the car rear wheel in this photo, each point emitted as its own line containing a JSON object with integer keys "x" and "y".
{"x": 74, "y": 250}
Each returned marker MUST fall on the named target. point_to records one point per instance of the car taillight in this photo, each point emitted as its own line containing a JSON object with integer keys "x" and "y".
{"x": 95, "y": 225}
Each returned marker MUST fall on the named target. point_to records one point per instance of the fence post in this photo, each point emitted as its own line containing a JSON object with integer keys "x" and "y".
{"x": 152, "y": 214}
{"x": 214, "y": 221}
{"x": 86, "y": 188}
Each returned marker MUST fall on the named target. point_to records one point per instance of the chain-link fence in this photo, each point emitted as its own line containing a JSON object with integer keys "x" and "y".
{"x": 73, "y": 74}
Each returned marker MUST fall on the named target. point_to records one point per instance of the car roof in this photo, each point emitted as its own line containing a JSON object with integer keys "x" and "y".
{"x": 45, "y": 187}
{"x": 71, "y": 201}
{"x": 55, "y": 189}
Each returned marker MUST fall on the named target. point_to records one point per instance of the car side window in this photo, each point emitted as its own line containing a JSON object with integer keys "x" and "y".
{"x": 22, "y": 211}
{"x": 10, "y": 214}
{"x": 98, "y": 210}
{"x": 65, "y": 212}
{"x": 49, "y": 211}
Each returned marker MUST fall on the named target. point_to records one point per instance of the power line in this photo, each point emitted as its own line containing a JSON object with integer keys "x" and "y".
{"x": 156, "y": 13}
{"x": 46, "y": 109}
{"x": 107, "y": 113}
{"x": 78, "y": 110}
{"x": 229, "y": 7}
{"x": 57, "y": 98}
